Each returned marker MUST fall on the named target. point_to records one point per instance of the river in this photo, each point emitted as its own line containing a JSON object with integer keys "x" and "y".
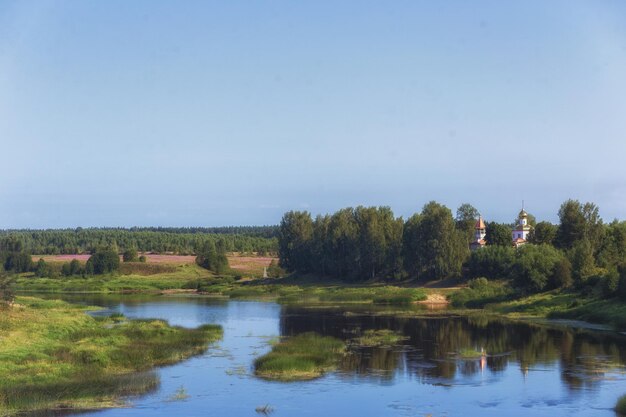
{"x": 530, "y": 369}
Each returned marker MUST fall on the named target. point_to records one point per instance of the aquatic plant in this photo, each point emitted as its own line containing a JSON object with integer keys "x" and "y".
{"x": 301, "y": 357}
{"x": 53, "y": 355}
{"x": 378, "y": 338}
{"x": 620, "y": 406}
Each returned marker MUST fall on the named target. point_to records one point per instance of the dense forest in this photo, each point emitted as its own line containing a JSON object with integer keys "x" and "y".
{"x": 181, "y": 241}
{"x": 366, "y": 243}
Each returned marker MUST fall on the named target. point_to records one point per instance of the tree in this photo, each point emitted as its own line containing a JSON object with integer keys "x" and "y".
{"x": 562, "y": 277}
{"x": 294, "y": 239}
{"x": 578, "y": 222}
{"x": 42, "y": 269}
{"x": 441, "y": 248}
{"x": 71, "y": 268}
{"x": 581, "y": 257}
{"x": 543, "y": 233}
{"x": 493, "y": 262}
{"x": 212, "y": 256}
{"x": 130, "y": 255}
{"x": 103, "y": 261}
{"x": 535, "y": 266}
{"x": 411, "y": 244}
{"x": 466, "y": 216}
{"x": 6, "y": 290}
{"x": 498, "y": 234}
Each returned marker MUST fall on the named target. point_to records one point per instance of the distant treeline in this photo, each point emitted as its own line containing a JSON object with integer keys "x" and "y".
{"x": 181, "y": 241}
{"x": 370, "y": 242}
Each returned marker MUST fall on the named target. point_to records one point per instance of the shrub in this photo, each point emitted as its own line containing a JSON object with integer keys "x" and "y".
{"x": 493, "y": 262}
{"x": 130, "y": 255}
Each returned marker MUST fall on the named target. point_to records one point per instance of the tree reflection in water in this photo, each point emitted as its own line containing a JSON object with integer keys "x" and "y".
{"x": 430, "y": 353}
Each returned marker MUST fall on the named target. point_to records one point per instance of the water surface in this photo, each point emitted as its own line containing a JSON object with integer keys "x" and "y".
{"x": 530, "y": 369}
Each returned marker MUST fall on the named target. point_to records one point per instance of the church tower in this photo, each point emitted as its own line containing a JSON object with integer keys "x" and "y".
{"x": 522, "y": 229}
{"x": 480, "y": 231}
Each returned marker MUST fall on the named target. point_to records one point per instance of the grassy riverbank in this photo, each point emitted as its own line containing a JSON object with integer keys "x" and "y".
{"x": 497, "y": 297}
{"x": 493, "y": 296}
{"x": 53, "y": 355}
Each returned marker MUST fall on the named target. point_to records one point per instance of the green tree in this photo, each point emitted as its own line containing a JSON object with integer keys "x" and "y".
{"x": 42, "y": 269}
{"x": 441, "y": 248}
{"x": 581, "y": 257}
{"x": 498, "y": 234}
{"x": 212, "y": 256}
{"x": 535, "y": 266}
{"x": 6, "y": 290}
{"x": 493, "y": 262}
{"x": 294, "y": 241}
{"x": 103, "y": 261}
{"x": 130, "y": 255}
{"x": 466, "y": 216}
{"x": 543, "y": 233}
{"x": 411, "y": 245}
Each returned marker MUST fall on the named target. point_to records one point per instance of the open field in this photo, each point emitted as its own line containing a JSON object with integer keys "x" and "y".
{"x": 249, "y": 265}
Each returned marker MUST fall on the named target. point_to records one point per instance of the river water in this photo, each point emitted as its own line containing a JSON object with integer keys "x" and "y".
{"x": 530, "y": 370}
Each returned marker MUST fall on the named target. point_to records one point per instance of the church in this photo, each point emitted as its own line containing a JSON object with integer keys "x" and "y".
{"x": 522, "y": 229}
{"x": 519, "y": 235}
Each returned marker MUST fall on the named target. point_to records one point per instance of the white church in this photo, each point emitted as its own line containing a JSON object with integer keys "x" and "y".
{"x": 519, "y": 235}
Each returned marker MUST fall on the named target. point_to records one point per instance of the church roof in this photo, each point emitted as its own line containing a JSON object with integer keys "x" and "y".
{"x": 480, "y": 224}
{"x": 522, "y": 213}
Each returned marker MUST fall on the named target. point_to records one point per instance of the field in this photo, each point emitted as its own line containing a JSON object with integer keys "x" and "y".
{"x": 249, "y": 265}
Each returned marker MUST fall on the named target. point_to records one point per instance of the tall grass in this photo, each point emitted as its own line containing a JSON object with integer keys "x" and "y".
{"x": 301, "y": 357}
{"x": 53, "y": 355}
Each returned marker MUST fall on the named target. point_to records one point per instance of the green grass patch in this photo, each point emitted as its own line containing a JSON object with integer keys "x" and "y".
{"x": 469, "y": 353}
{"x": 479, "y": 293}
{"x": 54, "y": 355}
{"x": 620, "y": 407}
{"x": 301, "y": 357}
{"x": 378, "y": 338}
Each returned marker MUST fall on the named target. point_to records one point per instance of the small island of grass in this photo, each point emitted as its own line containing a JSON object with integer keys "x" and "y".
{"x": 379, "y": 338}
{"x": 53, "y": 355}
{"x": 301, "y": 357}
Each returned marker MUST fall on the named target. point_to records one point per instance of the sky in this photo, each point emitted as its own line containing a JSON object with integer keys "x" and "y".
{"x": 202, "y": 113}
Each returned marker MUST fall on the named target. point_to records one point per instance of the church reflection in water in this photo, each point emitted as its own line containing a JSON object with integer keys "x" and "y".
{"x": 430, "y": 351}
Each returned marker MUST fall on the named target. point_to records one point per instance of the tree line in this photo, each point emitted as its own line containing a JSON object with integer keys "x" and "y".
{"x": 182, "y": 241}
{"x": 366, "y": 243}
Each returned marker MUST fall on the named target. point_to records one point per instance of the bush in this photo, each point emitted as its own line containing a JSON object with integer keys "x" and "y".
{"x": 130, "y": 255}
{"x": 611, "y": 283}
{"x": 493, "y": 262}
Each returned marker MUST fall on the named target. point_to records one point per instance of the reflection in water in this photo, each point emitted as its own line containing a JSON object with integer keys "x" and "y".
{"x": 430, "y": 352}
{"x": 529, "y": 369}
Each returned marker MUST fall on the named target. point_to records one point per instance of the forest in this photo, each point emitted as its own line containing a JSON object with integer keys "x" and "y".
{"x": 366, "y": 243}
{"x": 181, "y": 241}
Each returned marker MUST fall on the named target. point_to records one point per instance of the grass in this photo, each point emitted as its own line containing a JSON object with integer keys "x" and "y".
{"x": 620, "y": 407}
{"x": 378, "y": 338}
{"x": 468, "y": 353}
{"x": 178, "y": 278}
{"x": 53, "y": 355}
{"x": 179, "y": 395}
{"x": 302, "y": 357}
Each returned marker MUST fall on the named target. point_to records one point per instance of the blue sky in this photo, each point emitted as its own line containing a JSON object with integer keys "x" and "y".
{"x": 117, "y": 113}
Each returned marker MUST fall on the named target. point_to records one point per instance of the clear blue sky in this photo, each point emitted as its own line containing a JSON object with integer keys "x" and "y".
{"x": 122, "y": 113}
